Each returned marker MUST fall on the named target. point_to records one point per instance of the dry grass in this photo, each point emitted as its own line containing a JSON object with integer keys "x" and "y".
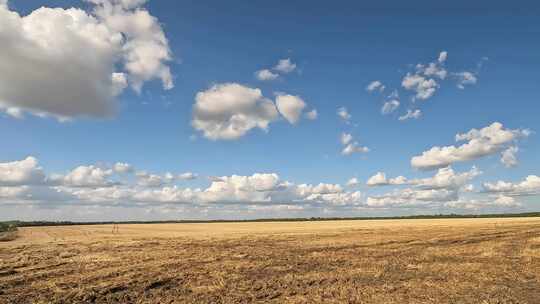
{"x": 8, "y": 236}
{"x": 409, "y": 261}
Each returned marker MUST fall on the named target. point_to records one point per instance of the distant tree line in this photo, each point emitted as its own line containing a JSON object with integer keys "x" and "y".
{"x": 6, "y": 226}
{"x": 9, "y": 226}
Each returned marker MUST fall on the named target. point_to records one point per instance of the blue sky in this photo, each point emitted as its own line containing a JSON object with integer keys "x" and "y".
{"x": 338, "y": 49}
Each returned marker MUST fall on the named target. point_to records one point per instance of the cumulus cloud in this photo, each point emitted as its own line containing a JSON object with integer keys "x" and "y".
{"x": 122, "y": 168}
{"x": 82, "y": 60}
{"x": 266, "y": 75}
{"x": 285, "y": 66}
{"x": 354, "y": 148}
{"x": 228, "y": 111}
{"x": 346, "y": 138}
{"x": 486, "y": 141}
{"x": 290, "y": 107}
{"x": 93, "y": 185}
{"x": 344, "y": 114}
{"x": 187, "y": 176}
{"x": 390, "y": 106}
{"x": 412, "y": 198}
{"x": 22, "y": 172}
{"x": 351, "y": 146}
{"x": 375, "y": 86}
{"x": 509, "y": 158}
{"x": 312, "y": 115}
{"x": 88, "y": 176}
{"x": 411, "y": 115}
{"x": 424, "y": 87}
{"x": 380, "y": 179}
{"x": 529, "y": 186}
{"x": 446, "y": 178}
{"x": 353, "y": 182}
{"x": 465, "y": 79}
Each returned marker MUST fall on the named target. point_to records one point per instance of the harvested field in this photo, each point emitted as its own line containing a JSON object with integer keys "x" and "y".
{"x": 387, "y": 261}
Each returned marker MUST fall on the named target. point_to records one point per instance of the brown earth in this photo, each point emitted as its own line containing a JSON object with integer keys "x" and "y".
{"x": 391, "y": 261}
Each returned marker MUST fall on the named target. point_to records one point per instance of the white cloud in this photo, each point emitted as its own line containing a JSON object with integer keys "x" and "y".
{"x": 22, "y": 172}
{"x": 424, "y": 87}
{"x": 187, "y": 176}
{"x": 354, "y": 148}
{"x": 446, "y": 178}
{"x": 353, "y": 182}
{"x": 344, "y": 114}
{"x": 92, "y": 56}
{"x": 529, "y": 186}
{"x": 312, "y": 115}
{"x": 390, "y": 106}
{"x": 375, "y": 85}
{"x": 508, "y": 157}
{"x": 122, "y": 168}
{"x": 483, "y": 142}
{"x": 412, "y": 198}
{"x": 88, "y": 176}
{"x": 346, "y": 138}
{"x": 145, "y": 179}
{"x": 290, "y": 107}
{"x": 285, "y": 66}
{"x": 443, "y": 56}
{"x": 465, "y": 78}
{"x": 228, "y": 111}
{"x": 351, "y": 146}
{"x": 380, "y": 179}
{"x": 411, "y": 115}
{"x": 433, "y": 70}
{"x": 91, "y": 185}
{"x": 266, "y": 75}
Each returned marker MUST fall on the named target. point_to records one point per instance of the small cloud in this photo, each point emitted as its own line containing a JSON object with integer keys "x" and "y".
{"x": 344, "y": 114}
{"x": 312, "y": 115}
{"x": 285, "y": 66}
{"x": 265, "y": 75}
{"x": 411, "y": 115}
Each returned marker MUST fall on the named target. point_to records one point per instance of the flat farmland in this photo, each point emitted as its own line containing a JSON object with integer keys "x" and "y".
{"x": 375, "y": 261}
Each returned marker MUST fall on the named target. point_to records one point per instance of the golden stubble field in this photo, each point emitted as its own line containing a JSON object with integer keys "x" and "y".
{"x": 384, "y": 261}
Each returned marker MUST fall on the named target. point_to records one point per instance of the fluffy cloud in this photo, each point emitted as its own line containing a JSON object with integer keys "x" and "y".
{"x": 346, "y": 138}
{"x": 344, "y": 114}
{"x": 529, "y": 186}
{"x": 93, "y": 56}
{"x": 88, "y": 176}
{"x": 486, "y": 141}
{"x": 380, "y": 179}
{"x": 312, "y": 115}
{"x": 228, "y": 111}
{"x": 285, "y": 66}
{"x": 351, "y": 146}
{"x": 509, "y": 158}
{"x": 411, "y": 115}
{"x": 290, "y": 107}
{"x": 22, "y": 172}
{"x": 187, "y": 176}
{"x": 412, "y": 198}
{"x": 353, "y": 182}
{"x": 446, "y": 178}
{"x": 390, "y": 106}
{"x": 92, "y": 185}
{"x": 354, "y": 148}
{"x": 465, "y": 78}
{"x": 375, "y": 86}
{"x": 424, "y": 87}
{"x": 122, "y": 168}
{"x": 266, "y": 75}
